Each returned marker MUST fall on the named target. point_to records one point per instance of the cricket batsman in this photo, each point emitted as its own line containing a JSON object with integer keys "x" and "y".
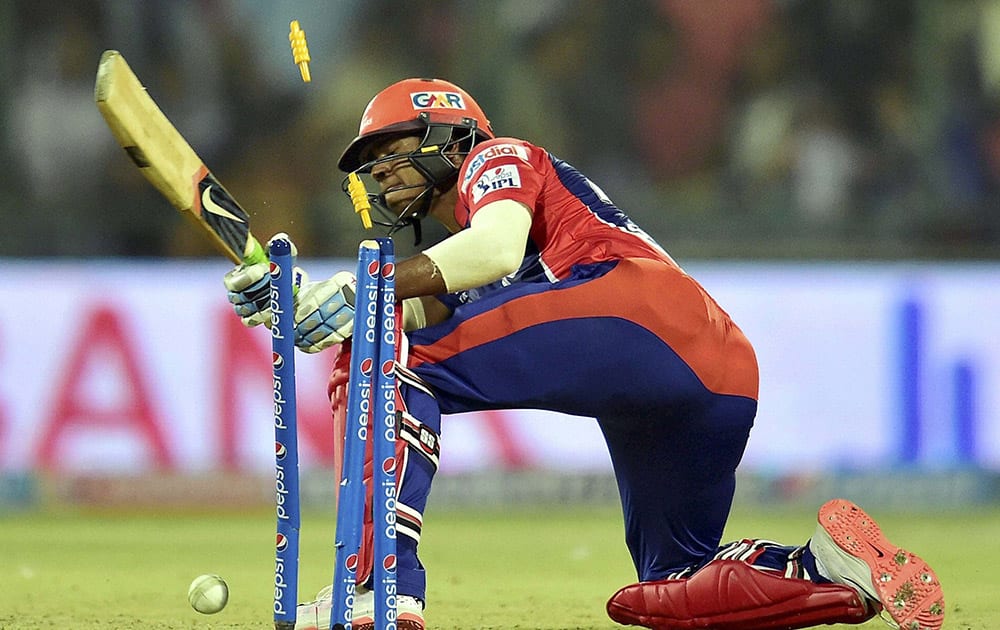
{"x": 545, "y": 295}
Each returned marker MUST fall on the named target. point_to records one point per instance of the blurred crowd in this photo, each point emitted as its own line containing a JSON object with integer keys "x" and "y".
{"x": 726, "y": 128}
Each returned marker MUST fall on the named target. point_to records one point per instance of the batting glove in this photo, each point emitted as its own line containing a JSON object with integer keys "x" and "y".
{"x": 324, "y": 315}
{"x": 249, "y": 288}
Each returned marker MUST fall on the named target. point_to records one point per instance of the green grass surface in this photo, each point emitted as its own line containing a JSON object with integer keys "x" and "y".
{"x": 541, "y": 568}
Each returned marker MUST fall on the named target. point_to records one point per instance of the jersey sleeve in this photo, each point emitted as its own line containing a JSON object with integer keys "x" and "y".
{"x": 503, "y": 168}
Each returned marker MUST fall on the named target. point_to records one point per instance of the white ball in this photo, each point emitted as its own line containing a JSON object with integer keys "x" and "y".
{"x": 208, "y": 594}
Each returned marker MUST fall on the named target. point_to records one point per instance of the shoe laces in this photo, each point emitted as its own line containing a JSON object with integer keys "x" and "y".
{"x": 402, "y": 602}
{"x": 408, "y": 601}
{"x": 325, "y": 593}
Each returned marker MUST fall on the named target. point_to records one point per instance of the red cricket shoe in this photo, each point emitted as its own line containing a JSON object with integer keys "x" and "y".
{"x": 732, "y": 595}
{"x": 850, "y": 546}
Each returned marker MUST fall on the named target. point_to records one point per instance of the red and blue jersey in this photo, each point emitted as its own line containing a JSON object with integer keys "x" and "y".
{"x": 577, "y": 237}
{"x": 573, "y": 221}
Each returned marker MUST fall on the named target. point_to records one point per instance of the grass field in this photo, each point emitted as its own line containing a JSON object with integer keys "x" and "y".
{"x": 537, "y": 568}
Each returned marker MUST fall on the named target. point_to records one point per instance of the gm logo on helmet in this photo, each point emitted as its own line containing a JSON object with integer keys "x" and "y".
{"x": 279, "y": 450}
{"x": 437, "y": 100}
{"x": 281, "y": 543}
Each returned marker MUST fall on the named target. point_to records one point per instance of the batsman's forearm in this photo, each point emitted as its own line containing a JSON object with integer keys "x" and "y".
{"x": 422, "y": 312}
{"x": 418, "y": 276}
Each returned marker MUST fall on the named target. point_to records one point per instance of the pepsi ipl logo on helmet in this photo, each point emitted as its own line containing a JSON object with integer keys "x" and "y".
{"x": 437, "y": 100}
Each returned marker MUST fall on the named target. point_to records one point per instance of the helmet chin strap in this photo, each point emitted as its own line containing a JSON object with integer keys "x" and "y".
{"x": 413, "y": 218}
{"x": 410, "y": 215}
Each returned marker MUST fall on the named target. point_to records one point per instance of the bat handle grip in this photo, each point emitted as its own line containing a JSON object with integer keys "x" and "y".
{"x": 254, "y": 252}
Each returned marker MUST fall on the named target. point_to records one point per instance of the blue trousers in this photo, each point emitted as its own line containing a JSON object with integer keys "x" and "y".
{"x": 635, "y": 344}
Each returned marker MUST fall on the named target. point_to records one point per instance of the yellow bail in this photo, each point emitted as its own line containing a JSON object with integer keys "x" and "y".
{"x": 300, "y": 51}
{"x": 359, "y": 197}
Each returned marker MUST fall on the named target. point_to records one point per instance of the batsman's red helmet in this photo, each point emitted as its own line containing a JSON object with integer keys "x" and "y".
{"x": 411, "y": 105}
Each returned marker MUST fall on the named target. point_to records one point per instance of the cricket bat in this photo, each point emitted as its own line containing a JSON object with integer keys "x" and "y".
{"x": 166, "y": 159}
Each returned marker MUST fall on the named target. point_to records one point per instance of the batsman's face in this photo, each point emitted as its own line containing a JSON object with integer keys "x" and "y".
{"x": 399, "y": 181}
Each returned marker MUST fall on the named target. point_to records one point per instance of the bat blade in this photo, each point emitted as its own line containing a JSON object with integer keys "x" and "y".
{"x": 166, "y": 159}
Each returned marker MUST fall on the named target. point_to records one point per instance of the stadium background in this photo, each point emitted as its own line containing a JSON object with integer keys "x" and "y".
{"x": 830, "y": 170}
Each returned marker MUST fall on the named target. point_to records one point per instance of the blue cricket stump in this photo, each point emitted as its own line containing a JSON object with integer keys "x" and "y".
{"x": 286, "y": 452}
{"x": 371, "y": 408}
{"x": 384, "y": 448}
